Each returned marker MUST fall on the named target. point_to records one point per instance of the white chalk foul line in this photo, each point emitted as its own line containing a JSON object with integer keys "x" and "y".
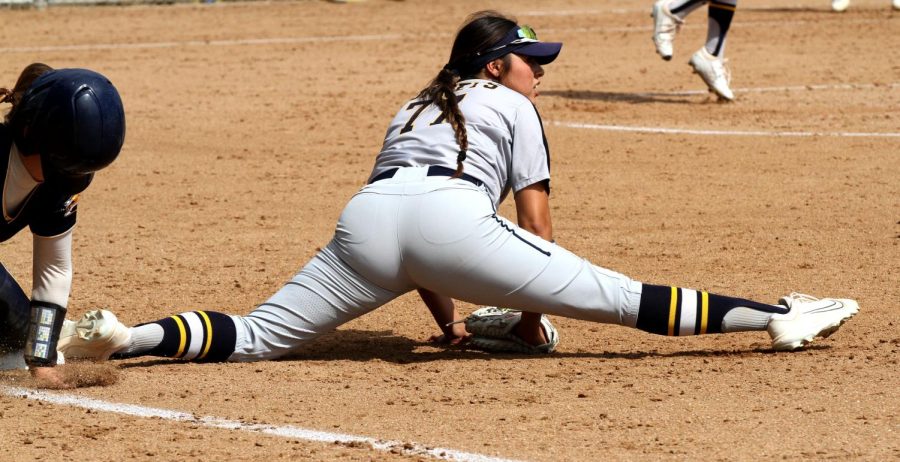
{"x": 286, "y": 431}
{"x": 608, "y": 11}
{"x": 785, "y": 89}
{"x": 687, "y": 131}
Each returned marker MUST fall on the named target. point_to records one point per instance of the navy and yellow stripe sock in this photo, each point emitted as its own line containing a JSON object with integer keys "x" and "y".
{"x": 669, "y": 310}
{"x": 682, "y": 8}
{"x": 202, "y": 336}
{"x": 720, "y": 14}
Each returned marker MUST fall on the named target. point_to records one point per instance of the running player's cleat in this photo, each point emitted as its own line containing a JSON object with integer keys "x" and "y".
{"x": 808, "y": 318}
{"x": 713, "y": 71}
{"x": 97, "y": 335}
{"x": 665, "y": 26}
{"x": 839, "y": 5}
{"x": 896, "y": 4}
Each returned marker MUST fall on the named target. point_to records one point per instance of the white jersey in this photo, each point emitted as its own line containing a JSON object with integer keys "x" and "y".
{"x": 507, "y": 148}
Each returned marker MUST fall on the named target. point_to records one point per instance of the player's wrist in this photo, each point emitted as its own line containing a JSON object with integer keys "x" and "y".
{"x": 45, "y": 324}
{"x": 455, "y": 330}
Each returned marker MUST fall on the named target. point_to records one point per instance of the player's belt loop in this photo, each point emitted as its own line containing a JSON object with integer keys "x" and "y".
{"x": 434, "y": 170}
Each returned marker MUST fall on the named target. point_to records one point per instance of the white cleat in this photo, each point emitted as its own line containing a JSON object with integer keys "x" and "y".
{"x": 808, "y": 318}
{"x": 841, "y": 5}
{"x": 665, "y": 26}
{"x": 97, "y": 335}
{"x": 713, "y": 71}
{"x": 896, "y": 4}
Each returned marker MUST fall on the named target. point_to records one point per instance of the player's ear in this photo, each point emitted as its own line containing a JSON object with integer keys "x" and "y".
{"x": 494, "y": 69}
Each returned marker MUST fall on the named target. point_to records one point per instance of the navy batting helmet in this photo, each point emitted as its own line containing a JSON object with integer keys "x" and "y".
{"x": 75, "y": 120}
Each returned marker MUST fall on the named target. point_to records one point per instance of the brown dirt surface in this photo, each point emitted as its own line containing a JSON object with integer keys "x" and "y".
{"x": 251, "y": 124}
{"x": 79, "y": 374}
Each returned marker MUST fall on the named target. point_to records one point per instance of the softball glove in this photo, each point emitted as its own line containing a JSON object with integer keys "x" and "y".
{"x": 492, "y": 330}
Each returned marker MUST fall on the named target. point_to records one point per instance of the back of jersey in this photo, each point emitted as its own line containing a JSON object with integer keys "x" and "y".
{"x": 506, "y": 142}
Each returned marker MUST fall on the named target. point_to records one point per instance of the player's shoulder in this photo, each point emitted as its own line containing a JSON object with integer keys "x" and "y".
{"x": 489, "y": 94}
{"x": 492, "y": 90}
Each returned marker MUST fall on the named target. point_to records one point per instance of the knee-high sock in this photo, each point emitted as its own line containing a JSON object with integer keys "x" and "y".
{"x": 682, "y": 8}
{"x": 667, "y": 310}
{"x": 720, "y": 14}
{"x": 202, "y": 336}
{"x": 15, "y": 309}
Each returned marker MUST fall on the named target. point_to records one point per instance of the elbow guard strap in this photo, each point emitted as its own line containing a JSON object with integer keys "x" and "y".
{"x": 43, "y": 333}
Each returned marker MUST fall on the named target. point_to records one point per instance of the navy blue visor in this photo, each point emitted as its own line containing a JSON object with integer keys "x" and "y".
{"x": 522, "y": 41}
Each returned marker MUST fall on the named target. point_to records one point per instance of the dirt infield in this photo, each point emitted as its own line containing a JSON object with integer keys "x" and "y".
{"x": 251, "y": 124}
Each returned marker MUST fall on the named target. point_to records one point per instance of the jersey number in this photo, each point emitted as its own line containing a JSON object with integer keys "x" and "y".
{"x": 422, "y": 105}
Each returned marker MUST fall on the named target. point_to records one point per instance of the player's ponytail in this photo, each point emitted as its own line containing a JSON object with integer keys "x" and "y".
{"x": 441, "y": 94}
{"x": 26, "y": 78}
{"x": 481, "y": 30}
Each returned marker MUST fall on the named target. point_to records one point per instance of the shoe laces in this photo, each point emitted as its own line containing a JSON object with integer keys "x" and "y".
{"x": 802, "y": 297}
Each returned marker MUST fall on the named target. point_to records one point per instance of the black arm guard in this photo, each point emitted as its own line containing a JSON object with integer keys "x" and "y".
{"x": 43, "y": 333}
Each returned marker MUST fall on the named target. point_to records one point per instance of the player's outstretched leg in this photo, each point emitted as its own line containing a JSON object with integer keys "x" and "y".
{"x": 323, "y": 295}
{"x": 792, "y": 324}
{"x": 708, "y": 61}
{"x": 676, "y": 311}
{"x": 507, "y": 266}
{"x": 194, "y": 335}
{"x": 202, "y": 336}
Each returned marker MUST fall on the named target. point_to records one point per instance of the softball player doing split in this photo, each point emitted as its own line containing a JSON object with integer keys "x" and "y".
{"x": 427, "y": 220}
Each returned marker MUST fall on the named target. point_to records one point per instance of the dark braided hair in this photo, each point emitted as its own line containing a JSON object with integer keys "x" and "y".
{"x": 480, "y": 31}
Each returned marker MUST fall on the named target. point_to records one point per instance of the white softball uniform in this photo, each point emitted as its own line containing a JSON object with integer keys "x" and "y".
{"x": 407, "y": 230}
